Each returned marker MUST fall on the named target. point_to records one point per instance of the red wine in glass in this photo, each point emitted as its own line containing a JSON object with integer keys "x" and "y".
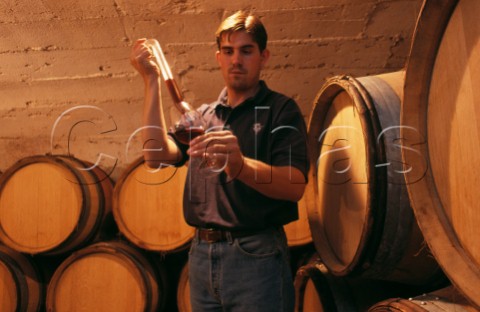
{"x": 185, "y": 135}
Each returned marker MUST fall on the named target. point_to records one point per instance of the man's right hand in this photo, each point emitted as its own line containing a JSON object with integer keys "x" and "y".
{"x": 142, "y": 60}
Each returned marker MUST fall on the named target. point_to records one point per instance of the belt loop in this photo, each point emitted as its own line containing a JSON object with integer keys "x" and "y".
{"x": 229, "y": 237}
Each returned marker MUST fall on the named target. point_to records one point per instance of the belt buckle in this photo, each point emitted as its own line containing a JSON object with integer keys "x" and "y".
{"x": 211, "y": 236}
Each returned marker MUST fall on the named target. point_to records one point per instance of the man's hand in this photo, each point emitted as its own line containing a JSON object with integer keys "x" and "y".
{"x": 281, "y": 182}
{"x": 142, "y": 59}
{"x": 220, "y": 149}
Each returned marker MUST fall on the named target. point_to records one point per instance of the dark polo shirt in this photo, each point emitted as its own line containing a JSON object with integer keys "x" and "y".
{"x": 269, "y": 128}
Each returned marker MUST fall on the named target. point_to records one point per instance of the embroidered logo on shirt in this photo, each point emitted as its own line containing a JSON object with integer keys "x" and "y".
{"x": 257, "y": 127}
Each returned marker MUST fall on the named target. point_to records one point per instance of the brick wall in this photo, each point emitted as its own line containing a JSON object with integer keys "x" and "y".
{"x": 66, "y": 85}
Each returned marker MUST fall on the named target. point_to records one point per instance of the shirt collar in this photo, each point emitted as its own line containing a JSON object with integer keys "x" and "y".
{"x": 257, "y": 98}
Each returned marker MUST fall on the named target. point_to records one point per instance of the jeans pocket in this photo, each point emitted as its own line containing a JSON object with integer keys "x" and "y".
{"x": 193, "y": 243}
{"x": 258, "y": 246}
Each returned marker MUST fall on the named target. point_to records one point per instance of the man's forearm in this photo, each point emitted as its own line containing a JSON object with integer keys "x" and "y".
{"x": 157, "y": 147}
{"x": 285, "y": 182}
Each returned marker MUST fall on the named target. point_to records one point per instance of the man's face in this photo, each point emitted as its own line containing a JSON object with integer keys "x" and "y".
{"x": 241, "y": 61}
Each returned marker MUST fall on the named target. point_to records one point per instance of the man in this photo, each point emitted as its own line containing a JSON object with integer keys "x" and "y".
{"x": 238, "y": 260}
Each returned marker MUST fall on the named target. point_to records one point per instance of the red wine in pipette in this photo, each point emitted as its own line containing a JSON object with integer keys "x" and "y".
{"x": 171, "y": 84}
{"x": 189, "y": 126}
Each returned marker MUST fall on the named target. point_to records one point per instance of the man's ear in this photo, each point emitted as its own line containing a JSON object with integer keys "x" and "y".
{"x": 265, "y": 56}
{"x": 217, "y": 55}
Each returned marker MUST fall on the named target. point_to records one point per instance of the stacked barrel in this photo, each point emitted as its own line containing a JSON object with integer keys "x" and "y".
{"x": 62, "y": 248}
{"x": 395, "y": 177}
{"x": 73, "y": 240}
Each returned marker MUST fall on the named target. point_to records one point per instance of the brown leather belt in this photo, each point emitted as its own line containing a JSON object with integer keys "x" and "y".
{"x": 214, "y": 235}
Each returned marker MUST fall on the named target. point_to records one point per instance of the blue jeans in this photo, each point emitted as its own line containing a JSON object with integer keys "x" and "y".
{"x": 245, "y": 274}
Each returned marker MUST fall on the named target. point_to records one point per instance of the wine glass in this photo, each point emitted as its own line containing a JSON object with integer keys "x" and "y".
{"x": 212, "y": 164}
{"x": 188, "y": 127}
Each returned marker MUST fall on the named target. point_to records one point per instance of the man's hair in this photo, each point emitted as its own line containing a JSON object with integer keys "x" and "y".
{"x": 242, "y": 21}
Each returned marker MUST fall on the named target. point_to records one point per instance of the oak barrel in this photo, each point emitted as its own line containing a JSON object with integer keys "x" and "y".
{"x": 21, "y": 285}
{"x": 443, "y": 300}
{"x": 441, "y": 137}
{"x": 52, "y": 204}
{"x": 298, "y": 232}
{"x": 361, "y": 220}
{"x": 316, "y": 289}
{"x": 147, "y": 206}
{"x": 183, "y": 291}
{"x": 107, "y": 276}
